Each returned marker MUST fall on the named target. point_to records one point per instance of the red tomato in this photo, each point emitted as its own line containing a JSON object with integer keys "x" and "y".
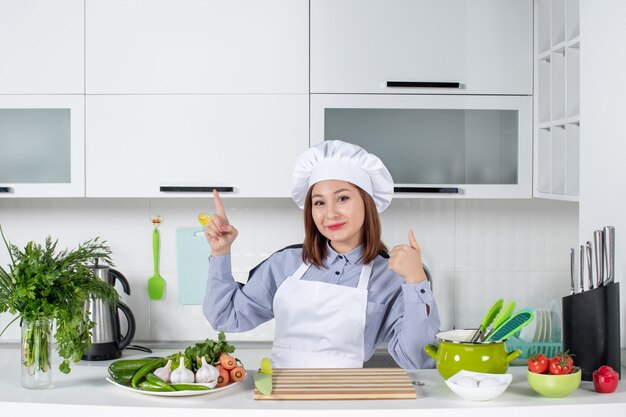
{"x": 561, "y": 364}
{"x": 605, "y": 379}
{"x": 538, "y": 363}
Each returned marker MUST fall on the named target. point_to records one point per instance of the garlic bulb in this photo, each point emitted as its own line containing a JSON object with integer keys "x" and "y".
{"x": 207, "y": 373}
{"x": 164, "y": 373}
{"x": 181, "y": 375}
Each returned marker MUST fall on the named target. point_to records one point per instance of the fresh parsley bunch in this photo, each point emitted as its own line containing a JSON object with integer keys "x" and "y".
{"x": 209, "y": 349}
{"x": 43, "y": 283}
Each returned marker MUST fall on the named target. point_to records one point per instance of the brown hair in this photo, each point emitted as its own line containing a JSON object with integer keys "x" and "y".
{"x": 314, "y": 250}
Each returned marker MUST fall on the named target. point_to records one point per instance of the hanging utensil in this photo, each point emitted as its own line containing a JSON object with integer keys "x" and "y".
{"x": 598, "y": 240}
{"x": 589, "y": 251}
{"x": 503, "y": 316}
{"x": 572, "y": 267}
{"x": 507, "y": 329}
{"x": 488, "y": 319}
{"x": 156, "y": 283}
{"x": 609, "y": 248}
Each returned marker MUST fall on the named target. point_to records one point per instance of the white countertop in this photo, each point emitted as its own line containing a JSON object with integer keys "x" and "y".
{"x": 86, "y": 392}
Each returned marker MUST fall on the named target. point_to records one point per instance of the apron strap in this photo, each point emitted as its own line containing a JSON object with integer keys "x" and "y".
{"x": 364, "y": 279}
{"x": 300, "y": 271}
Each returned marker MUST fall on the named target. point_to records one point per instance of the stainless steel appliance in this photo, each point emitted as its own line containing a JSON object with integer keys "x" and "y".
{"x": 107, "y": 341}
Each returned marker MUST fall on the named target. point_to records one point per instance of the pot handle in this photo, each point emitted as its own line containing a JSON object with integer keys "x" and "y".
{"x": 431, "y": 350}
{"x": 514, "y": 354}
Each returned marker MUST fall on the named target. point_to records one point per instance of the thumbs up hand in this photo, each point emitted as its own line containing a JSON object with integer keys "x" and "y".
{"x": 406, "y": 261}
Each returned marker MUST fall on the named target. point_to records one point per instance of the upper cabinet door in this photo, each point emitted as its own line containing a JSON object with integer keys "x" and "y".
{"x": 185, "y": 145}
{"x": 42, "y": 145}
{"x": 197, "y": 46}
{"x": 358, "y": 46}
{"x": 42, "y": 47}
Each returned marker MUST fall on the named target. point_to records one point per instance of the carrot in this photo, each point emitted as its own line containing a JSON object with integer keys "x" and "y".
{"x": 237, "y": 374}
{"x": 223, "y": 377}
{"x": 227, "y": 361}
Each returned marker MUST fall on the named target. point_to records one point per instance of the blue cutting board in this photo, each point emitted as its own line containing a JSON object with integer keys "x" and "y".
{"x": 193, "y": 264}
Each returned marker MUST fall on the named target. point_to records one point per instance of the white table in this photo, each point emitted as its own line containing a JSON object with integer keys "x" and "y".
{"x": 85, "y": 392}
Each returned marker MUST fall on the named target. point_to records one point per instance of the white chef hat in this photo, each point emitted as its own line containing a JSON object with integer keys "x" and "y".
{"x": 337, "y": 160}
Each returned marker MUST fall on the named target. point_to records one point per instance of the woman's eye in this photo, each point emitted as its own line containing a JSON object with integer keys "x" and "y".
{"x": 318, "y": 203}
{"x": 343, "y": 198}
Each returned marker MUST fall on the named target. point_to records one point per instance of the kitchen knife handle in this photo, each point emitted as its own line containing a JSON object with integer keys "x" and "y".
{"x": 598, "y": 240}
{"x": 589, "y": 253}
{"x": 195, "y": 189}
{"x": 609, "y": 247}
{"x": 424, "y": 84}
{"x": 439, "y": 190}
{"x": 581, "y": 270}
{"x": 572, "y": 268}
{"x": 6, "y": 190}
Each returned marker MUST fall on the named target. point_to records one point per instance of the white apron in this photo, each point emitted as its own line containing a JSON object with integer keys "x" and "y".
{"x": 319, "y": 325}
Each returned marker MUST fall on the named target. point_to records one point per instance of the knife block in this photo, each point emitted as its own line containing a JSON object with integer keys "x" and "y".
{"x": 591, "y": 329}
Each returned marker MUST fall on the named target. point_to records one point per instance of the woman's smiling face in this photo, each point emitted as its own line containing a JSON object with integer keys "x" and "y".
{"x": 338, "y": 212}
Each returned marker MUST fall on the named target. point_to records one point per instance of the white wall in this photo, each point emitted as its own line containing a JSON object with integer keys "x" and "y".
{"x": 602, "y": 128}
{"x": 477, "y": 250}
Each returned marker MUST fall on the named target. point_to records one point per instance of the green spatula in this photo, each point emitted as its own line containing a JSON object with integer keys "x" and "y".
{"x": 512, "y": 325}
{"x": 502, "y": 316}
{"x": 488, "y": 319}
{"x": 156, "y": 283}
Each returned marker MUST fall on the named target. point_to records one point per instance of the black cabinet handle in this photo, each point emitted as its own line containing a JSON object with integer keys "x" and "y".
{"x": 424, "y": 190}
{"x": 195, "y": 189}
{"x": 424, "y": 84}
{"x": 6, "y": 190}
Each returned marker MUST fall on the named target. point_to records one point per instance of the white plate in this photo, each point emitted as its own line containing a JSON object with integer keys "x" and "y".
{"x": 555, "y": 319}
{"x": 539, "y": 328}
{"x": 175, "y": 393}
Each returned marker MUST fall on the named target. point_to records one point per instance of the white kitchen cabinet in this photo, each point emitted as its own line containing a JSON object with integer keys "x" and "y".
{"x": 42, "y": 47}
{"x": 197, "y": 46}
{"x": 137, "y": 144}
{"x": 42, "y": 143}
{"x": 437, "y": 146}
{"x": 358, "y": 46}
{"x": 557, "y": 99}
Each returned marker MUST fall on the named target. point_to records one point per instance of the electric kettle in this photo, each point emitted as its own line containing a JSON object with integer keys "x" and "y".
{"x": 107, "y": 341}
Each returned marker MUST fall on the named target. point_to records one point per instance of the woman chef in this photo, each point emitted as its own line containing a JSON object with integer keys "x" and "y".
{"x": 339, "y": 294}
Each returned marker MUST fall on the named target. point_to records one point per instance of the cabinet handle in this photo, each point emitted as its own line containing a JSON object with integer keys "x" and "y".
{"x": 195, "y": 189}
{"x": 424, "y": 84}
{"x": 434, "y": 190}
{"x": 6, "y": 190}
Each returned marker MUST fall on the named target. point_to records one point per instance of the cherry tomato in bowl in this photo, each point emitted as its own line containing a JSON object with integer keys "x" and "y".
{"x": 538, "y": 363}
{"x": 561, "y": 364}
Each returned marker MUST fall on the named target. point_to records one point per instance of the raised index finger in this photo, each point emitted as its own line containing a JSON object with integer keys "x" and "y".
{"x": 218, "y": 204}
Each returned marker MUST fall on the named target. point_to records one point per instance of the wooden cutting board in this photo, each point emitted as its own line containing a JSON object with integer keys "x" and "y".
{"x": 340, "y": 384}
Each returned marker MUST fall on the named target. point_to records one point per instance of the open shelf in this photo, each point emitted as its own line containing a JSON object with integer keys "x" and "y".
{"x": 557, "y": 99}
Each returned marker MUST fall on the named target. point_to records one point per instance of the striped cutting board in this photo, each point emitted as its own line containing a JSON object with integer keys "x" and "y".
{"x": 340, "y": 384}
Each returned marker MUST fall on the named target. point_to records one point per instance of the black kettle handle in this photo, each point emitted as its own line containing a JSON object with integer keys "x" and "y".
{"x": 130, "y": 318}
{"x": 117, "y": 275}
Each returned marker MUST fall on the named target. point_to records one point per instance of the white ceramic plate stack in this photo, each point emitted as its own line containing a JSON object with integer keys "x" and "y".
{"x": 540, "y": 330}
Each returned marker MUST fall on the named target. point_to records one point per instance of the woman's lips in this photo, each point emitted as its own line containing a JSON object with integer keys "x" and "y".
{"x": 336, "y": 226}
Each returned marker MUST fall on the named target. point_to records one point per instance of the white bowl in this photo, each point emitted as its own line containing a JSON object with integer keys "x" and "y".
{"x": 478, "y": 393}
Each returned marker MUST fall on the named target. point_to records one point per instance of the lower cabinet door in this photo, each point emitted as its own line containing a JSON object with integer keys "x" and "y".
{"x": 185, "y": 145}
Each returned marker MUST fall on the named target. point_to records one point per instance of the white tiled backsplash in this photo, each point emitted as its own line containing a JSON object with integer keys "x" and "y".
{"x": 476, "y": 250}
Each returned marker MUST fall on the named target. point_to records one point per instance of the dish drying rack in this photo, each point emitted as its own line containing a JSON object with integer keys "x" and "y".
{"x": 528, "y": 349}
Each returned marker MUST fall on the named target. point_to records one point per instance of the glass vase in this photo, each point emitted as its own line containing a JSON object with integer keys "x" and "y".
{"x": 36, "y": 354}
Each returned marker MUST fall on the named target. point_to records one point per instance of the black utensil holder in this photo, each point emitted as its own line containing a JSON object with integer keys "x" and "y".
{"x": 591, "y": 329}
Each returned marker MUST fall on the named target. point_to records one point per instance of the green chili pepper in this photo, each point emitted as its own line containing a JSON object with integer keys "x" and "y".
{"x": 146, "y": 369}
{"x": 155, "y": 380}
{"x": 149, "y": 386}
{"x": 189, "y": 387}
